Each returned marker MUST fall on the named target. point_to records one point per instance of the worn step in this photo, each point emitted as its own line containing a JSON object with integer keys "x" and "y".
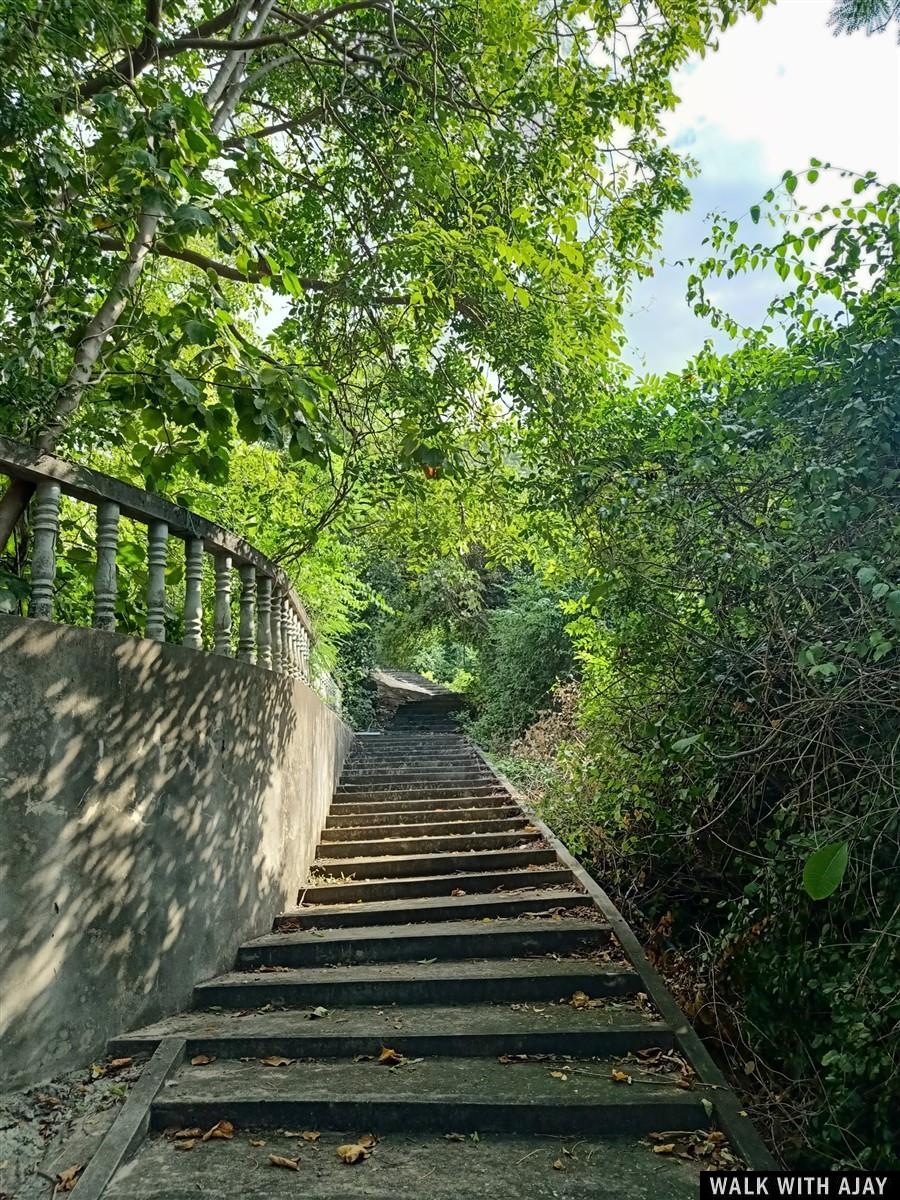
{"x": 422, "y": 886}
{"x": 415, "y": 773}
{"x": 438, "y": 828}
{"x": 394, "y": 803}
{"x": 508, "y": 938}
{"x": 449, "y": 843}
{"x": 465, "y": 1031}
{"x": 441, "y": 908}
{"x": 407, "y": 792}
{"x": 472, "y": 982}
{"x": 439, "y": 863}
{"x": 468, "y": 1095}
{"x": 406, "y": 1166}
{"x": 418, "y": 816}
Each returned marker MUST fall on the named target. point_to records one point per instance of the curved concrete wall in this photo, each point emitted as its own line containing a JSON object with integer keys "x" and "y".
{"x": 157, "y": 806}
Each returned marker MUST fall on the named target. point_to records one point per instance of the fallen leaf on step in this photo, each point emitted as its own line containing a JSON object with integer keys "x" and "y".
{"x": 367, "y": 1141}
{"x": 67, "y": 1179}
{"x": 620, "y": 1076}
{"x": 257, "y": 1142}
{"x": 530, "y": 829}
{"x": 310, "y": 1136}
{"x": 270, "y": 967}
{"x": 200, "y": 1060}
{"x": 317, "y": 1013}
{"x": 187, "y": 1144}
{"x": 426, "y": 962}
{"x": 118, "y": 1063}
{"x": 49, "y": 1101}
{"x": 188, "y": 1133}
{"x": 580, "y": 1000}
{"x": 97, "y": 1072}
{"x": 352, "y": 1153}
{"x": 558, "y": 1075}
{"x": 276, "y": 1060}
{"x": 289, "y": 1164}
{"x": 389, "y": 1057}
{"x": 557, "y": 1166}
{"x": 221, "y": 1130}
{"x": 457, "y": 892}
{"x": 455, "y": 1137}
{"x": 664, "y": 1148}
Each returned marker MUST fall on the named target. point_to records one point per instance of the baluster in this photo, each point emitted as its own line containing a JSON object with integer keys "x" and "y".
{"x": 157, "y": 547}
{"x": 246, "y": 632}
{"x": 275, "y": 630}
{"x": 222, "y": 613}
{"x": 305, "y": 644}
{"x": 295, "y": 644}
{"x": 264, "y": 621}
{"x": 106, "y": 579}
{"x": 45, "y": 523}
{"x": 285, "y": 637}
{"x": 193, "y": 600}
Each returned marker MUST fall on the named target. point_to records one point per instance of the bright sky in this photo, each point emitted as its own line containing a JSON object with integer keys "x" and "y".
{"x": 776, "y": 93}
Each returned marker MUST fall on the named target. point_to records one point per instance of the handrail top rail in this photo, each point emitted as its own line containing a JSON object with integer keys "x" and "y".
{"x": 20, "y": 461}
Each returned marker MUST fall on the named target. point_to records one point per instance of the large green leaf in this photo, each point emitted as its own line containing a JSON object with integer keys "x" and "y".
{"x": 824, "y": 869}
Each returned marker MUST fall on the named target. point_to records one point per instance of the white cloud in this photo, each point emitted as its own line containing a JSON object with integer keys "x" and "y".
{"x": 776, "y": 93}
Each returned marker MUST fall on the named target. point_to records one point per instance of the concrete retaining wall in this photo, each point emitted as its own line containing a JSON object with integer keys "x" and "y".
{"x": 157, "y": 806}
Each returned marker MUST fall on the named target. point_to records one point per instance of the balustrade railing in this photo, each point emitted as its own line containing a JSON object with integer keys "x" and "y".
{"x": 273, "y": 630}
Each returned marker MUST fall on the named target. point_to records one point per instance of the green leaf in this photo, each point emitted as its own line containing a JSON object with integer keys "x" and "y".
{"x": 824, "y": 869}
{"x": 683, "y": 743}
{"x": 754, "y": 213}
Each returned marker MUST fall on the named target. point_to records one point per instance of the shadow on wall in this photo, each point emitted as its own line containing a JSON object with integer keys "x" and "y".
{"x": 158, "y": 806}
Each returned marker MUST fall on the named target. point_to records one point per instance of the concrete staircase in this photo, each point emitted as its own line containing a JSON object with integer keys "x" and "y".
{"x": 445, "y": 985}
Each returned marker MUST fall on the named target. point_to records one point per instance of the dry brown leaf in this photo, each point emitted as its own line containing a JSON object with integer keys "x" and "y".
{"x": 455, "y": 1137}
{"x": 580, "y": 1000}
{"x": 367, "y": 1141}
{"x": 221, "y": 1130}
{"x": 530, "y": 829}
{"x": 276, "y": 1060}
{"x": 201, "y": 1060}
{"x": 118, "y": 1063}
{"x": 558, "y": 1075}
{"x": 664, "y": 1148}
{"x": 457, "y": 892}
{"x": 310, "y": 1136}
{"x": 558, "y": 1166}
{"x": 67, "y": 1179}
{"x": 257, "y": 1142}
{"x": 289, "y": 1164}
{"x": 749, "y": 1067}
{"x": 49, "y": 1101}
{"x": 187, "y": 1144}
{"x": 187, "y": 1133}
{"x": 620, "y": 1076}
{"x": 317, "y": 1013}
{"x": 352, "y": 1153}
{"x": 389, "y": 1057}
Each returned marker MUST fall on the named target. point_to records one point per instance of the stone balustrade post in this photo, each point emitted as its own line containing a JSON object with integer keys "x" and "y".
{"x": 45, "y": 523}
{"x": 157, "y": 550}
{"x": 106, "y": 576}
{"x": 264, "y": 621}
{"x": 247, "y": 627}
{"x": 222, "y": 613}
{"x": 193, "y": 600}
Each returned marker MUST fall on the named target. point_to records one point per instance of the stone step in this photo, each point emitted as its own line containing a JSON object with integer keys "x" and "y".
{"x": 443, "y": 863}
{"x": 422, "y": 886}
{"x": 468, "y": 1095}
{"x": 450, "y": 843}
{"x": 512, "y": 937}
{"x": 395, "y": 803}
{"x": 524, "y": 1165}
{"x": 415, "y": 773}
{"x": 441, "y": 908}
{"x": 390, "y": 781}
{"x": 353, "y": 833}
{"x": 407, "y": 792}
{"x": 467, "y": 1031}
{"x": 415, "y": 816}
{"x": 472, "y": 982}
{"x": 431, "y": 757}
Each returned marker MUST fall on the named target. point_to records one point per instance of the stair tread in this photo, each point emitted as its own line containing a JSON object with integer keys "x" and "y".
{"x": 600, "y": 1168}
{"x": 540, "y": 966}
{"x": 438, "y": 931}
{"x": 396, "y": 1021}
{"x": 483, "y": 1082}
{"x": 437, "y": 903}
{"x": 438, "y": 858}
